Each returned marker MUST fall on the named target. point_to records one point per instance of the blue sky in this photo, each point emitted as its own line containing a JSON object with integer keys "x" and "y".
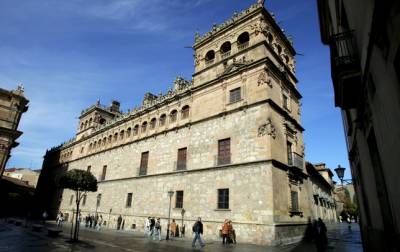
{"x": 68, "y": 54}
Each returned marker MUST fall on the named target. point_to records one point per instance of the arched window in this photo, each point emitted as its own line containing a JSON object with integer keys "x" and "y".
{"x": 153, "y": 123}
{"x": 82, "y": 126}
{"x": 225, "y": 49}
{"x": 185, "y": 112}
{"x": 128, "y": 132}
{"x": 210, "y": 56}
{"x": 102, "y": 121}
{"x": 95, "y": 145}
{"x": 173, "y": 115}
{"x": 90, "y": 122}
{"x": 279, "y": 49}
{"x": 144, "y": 127}
{"x": 90, "y": 146}
{"x": 243, "y": 40}
{"x": 270, "y": 38}
{"x": 86, "y": 124}
{"x": 163, "y": 118}
{"x": 121, "y": 135}
{"x": 109, "y": 139}
{"x": 136, "y": 130}
{"x": 115, "y": 137}
{"x": 104, "y": 141}
{"x": 286, "y": 59}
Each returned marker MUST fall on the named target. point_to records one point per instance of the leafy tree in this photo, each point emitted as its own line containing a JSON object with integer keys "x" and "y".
{"x": 81, "y": 182}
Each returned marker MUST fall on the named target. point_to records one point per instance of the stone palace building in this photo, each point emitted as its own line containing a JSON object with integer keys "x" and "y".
{"x": 228, "y": 143}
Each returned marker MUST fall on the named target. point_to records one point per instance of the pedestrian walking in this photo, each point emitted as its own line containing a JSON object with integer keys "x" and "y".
{"x": 152, "y": 224}
{"x": 173, "y": 228}
{"x": 147, "y": 227}
{"x": 119, "y": 221}
{"x": 198, "y": 231}
{"x": 99, "y": 223}
{"x": 321, "y": 239}
{"x": 44, "y": 216}
{"x": 232, "y": 233}
{"x": 225, "y": 232}
{"x": 157, "y": 230}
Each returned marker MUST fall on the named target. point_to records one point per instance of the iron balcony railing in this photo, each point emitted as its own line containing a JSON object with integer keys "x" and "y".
{"x": 296, "y": 160}
{"x": 209, "y": 62}
{"x": 243, "y": 46}
{"x": 225, "y": 54}
{"x": 343, "y": 50}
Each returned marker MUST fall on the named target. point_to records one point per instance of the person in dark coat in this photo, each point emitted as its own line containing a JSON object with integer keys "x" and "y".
{"x": 119, "y": 221}
{"x": 321, "y": 239}
{"x": 198, "y": 231}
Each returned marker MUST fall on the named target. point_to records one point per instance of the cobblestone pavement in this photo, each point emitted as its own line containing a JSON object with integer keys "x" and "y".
{"x": 21, "y": 238}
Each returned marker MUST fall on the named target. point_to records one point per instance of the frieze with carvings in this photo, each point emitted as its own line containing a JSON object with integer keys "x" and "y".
{"x": 263, "y": 79}
{"x": 267, "y": 129}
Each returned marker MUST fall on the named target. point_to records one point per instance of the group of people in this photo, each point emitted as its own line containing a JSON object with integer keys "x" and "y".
{"x": 152, "y": 228}
{"x": 227, "y": 232}
{"x": 92, "y": 221}
{"x": 316, "y": 231}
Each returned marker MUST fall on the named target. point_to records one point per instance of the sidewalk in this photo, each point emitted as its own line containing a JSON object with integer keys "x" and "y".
{"x": 19, "y": 238}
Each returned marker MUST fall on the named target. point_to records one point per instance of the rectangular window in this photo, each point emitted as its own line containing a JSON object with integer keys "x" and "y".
{"x": 234, "y": 95}
{"x": 285, "y": 101}
{"x": 84, "y": 200}
{"x": 179, "y": 199}
{"x": 71, "y": 200}
{"x": 289, "y": 153}
{"x": 129, "y": 200}
{"x": 103, "y": 174}
{"x": 143, "y": 163}
{"x": 98, "y": 200}
{"x": 223, "y": 198}
{"x": 89, "y": 168}
{"x": 294, "y": 198}
{"x": 224, "y": 151}
{"x": 181, "y": 165}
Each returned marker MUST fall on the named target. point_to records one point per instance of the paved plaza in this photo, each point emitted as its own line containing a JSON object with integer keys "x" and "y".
{"x": 23, "y": 238}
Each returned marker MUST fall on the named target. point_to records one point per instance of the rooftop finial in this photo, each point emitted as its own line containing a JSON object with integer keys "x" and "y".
{"x": 261, "y": 2}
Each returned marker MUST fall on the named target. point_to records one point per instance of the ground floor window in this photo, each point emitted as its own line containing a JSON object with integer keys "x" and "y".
{"x": 223, "y": 198}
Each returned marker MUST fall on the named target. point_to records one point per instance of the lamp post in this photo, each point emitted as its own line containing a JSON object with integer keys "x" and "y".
{"x": 109, "y": 215}
{"x": 170, "y": 194}
{"x": 182, "y": 213}
{"x": 97, "y": 204}
{"x": 340, "y": 173}
{"x": 72, "y": 222}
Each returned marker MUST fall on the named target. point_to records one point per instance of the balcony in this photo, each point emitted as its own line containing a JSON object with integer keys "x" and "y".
{"x": 243, "y": 46}
{"x": 209, "y": 62}
{"x": 345, "y": 70}
{"x": 296, "y": 160}
{"x": 225, "y": 55}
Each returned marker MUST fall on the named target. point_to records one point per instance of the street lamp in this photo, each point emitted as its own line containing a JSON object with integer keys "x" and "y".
{"x": 340, "y": 173}
{"x": 170, "y": 194}
{"x": 182, "y": 213}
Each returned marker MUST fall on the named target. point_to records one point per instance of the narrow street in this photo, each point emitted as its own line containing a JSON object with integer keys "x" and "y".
{"x": 21, "y": 238}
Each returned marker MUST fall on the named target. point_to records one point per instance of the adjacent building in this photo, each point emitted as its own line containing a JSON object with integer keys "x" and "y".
{"x": 28, "y": 176}
{"x": 12, "y": 105}
{"x": 227, "y": 143}
{"x": 364, "y": 40}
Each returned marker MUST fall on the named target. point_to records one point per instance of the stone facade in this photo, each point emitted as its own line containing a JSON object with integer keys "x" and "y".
{"x": 12, "y": 105}
{"x": 233, "y": 130}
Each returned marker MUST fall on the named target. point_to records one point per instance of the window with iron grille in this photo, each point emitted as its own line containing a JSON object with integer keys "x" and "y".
{"x": 234, "y": 95}
{"x": 182, "y": 156}
{"x": 103, "y": 174}
{"x": 71, "y": 200}
{"x": 294, "y": 198}
{"x": 143, "y": 163}
{"x": 89, "y": 168}
{"x": 224, "y": 151}
{"x": 223, "y": 198}
{"x": 289, "y": 153}
{"x": 285, "y": 101}
{"x": 179, "y": 199}
{"x": 84, "y": 200}
{"x": 129, "y": 200}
